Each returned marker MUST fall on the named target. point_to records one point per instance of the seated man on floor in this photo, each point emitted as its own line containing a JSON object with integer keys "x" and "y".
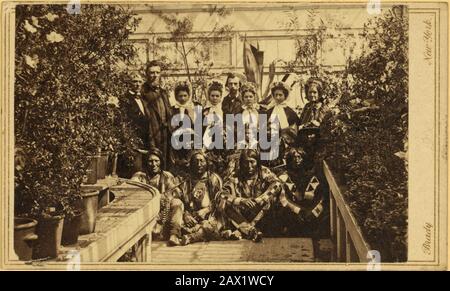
{"x": 198, "y": 193}
{"x": 303, "y": 202}
{"x": 246, "y": 198}
{"x": 170, "y": 218}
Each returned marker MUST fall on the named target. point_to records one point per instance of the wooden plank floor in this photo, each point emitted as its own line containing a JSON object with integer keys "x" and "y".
{"x": 270, "y": 250}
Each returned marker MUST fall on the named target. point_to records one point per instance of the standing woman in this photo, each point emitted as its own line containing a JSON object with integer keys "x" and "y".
{"x": 250, "y": 114}
{"x": 279, "y": 112}
{"x": 279, "y": 108}
{"x": 213, "y": 108}
{"x": 315, "y": 109}
{"x": 214, "y": 128}
{"x": 185, "y": 112}
{"x": 311, "y": 117}
{"x": 183, "y": 102}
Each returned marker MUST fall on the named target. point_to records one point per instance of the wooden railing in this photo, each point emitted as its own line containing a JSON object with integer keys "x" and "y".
{"x": 350, "y": 245}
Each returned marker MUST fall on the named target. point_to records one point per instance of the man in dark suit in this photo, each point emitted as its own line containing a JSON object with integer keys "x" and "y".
{"x": 232, "y": 103}
{"x": 133, "y": 108}
{"x": 157, "y": 109}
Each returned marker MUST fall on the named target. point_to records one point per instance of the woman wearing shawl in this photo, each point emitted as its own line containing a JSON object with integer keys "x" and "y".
{"x": 283, "y": 120}
{"x": 214, "y": 128}
{"x": 184, "y": 111}
{"x": 278, "y": 109}
{"x": 250, "y": 116}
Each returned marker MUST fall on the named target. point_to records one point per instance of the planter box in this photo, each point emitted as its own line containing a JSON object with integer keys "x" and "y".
{"x": 129, "y": 219}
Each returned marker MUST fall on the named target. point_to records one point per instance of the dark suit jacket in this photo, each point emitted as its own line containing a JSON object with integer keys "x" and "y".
{"x": 138, "y": 120}
{"x": 231, "y": 105}
{"x": 158, "y": 122}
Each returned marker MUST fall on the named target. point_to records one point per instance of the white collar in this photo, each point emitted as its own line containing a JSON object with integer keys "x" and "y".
{"x": 187, "y": 105}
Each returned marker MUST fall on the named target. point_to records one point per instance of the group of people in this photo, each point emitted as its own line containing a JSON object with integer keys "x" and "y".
{"x": 231, "y": 193}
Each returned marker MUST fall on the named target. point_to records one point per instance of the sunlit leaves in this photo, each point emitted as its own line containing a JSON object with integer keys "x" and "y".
{"x": 366, "y": 140}
{"x": 65, "y": 74}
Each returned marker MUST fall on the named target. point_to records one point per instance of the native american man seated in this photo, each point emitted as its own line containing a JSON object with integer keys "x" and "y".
{"x": 248, "y": 195}
{"x": 198, "y": 193}
{"x": 170, "y": 218}
{"x": 303, "y": 205}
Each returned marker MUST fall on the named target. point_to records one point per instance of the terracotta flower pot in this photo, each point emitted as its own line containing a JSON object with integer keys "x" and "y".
{"x": 102, "y": 165}
{"x": 90, "y": 203}
{"x": 24, "y": 237}
{"x": 71, "y": 229}
{"x": 91, "y": 172}
{"x": 49, "y": 231}
{"x": 111, "y": 168}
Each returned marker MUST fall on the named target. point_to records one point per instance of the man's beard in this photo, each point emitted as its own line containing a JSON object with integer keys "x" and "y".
{"x": 154, "y": 82}
{"x": 234, "y": 93}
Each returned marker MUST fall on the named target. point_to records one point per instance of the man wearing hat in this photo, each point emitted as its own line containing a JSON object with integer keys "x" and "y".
{"x": 171, "y": 215}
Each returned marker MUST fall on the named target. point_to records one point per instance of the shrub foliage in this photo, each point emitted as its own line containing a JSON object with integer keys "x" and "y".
{"x": 365, "y": 140}
{"x": 70, "y": 74}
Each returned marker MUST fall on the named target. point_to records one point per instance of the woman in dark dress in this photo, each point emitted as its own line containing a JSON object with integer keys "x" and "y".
{"x": 283, "y": 119}
{"x": 214, "y": 133}
{"x": 185, "y": 111}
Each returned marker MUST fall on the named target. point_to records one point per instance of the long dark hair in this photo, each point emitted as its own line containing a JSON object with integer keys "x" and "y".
{"x": 246, "y": 154}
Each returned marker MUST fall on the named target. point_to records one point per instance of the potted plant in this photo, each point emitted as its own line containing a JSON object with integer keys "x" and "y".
{"x": 62, "y": 84}
{"x": 24, "y": 228}
{"x": 72, "y": 221}
{"x": 49, "y": 231}
{"x": 89, "y": 216}
{"x": 24, "y": 237}
{"x": 91, "y": 171}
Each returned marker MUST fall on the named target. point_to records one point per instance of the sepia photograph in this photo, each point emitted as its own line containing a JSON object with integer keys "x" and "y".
{"x": 151, "y": 135}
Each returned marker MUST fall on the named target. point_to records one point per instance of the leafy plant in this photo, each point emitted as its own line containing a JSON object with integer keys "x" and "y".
{"x": 309, "y": 48}
{"x": 365, "y": 140}
{"x": 68, "y": 68}
{"x": 196, "y": 47}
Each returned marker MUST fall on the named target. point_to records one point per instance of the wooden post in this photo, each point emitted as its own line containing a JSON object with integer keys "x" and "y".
{"x": 351, "y": 254}
{"x": 333, "y": 217}
{"x": 340, "y": 239}
{"x": 114, "y": 165}
{"x": 348, "y": 241}
{"x": 147, "y": 252}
